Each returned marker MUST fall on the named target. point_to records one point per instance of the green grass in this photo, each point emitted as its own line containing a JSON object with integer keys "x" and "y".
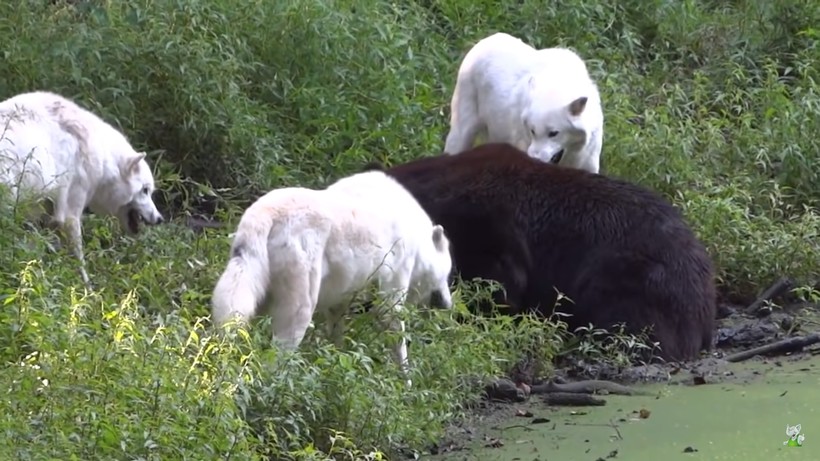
{"x": 713, "y": 104}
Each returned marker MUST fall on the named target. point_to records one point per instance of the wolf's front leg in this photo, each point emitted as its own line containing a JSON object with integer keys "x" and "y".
{"x": 73, "y": 231}
{"x": 394, "y": 323}
{"x": 68, "y": 213}
{"x": 400, "y": 352}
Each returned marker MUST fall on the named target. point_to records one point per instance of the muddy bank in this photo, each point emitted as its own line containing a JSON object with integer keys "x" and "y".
{"x": 719, "y": 421}
{"x": 513, "y": 414}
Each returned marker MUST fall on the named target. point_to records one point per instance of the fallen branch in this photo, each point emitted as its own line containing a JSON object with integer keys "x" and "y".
{"x": 779, "y": 287}
{"x": 591, "y": 386}
{"x": 504, "y": 390}
{"x": 781, "y": 347}
{"x": 570, "y": 399}
{"x": 518, "y": 426}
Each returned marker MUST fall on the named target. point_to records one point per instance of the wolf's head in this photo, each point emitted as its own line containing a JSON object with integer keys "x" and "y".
{"x": 557, "y": 120}
{"x": 136, "y": 176}
{"x": 432, "y": 275}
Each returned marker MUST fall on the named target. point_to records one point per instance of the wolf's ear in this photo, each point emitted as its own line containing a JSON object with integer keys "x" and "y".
{"x": 439, "y": 240}
{"x": 132, "y": 162}
{"x": 577, "y": 106}
{"x": 798, "y": 428}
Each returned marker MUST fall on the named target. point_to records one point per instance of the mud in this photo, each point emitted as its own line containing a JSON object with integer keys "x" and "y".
{"x": 527, "y": 428}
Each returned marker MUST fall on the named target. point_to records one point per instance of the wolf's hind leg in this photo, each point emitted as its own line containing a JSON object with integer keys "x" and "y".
{"x": 294, "y": 295}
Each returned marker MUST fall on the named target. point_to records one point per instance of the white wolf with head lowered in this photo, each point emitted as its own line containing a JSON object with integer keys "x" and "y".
{"x": 298, "y": 252}
{"x": 51, "y": 148}
{"x": 542, "y": 101}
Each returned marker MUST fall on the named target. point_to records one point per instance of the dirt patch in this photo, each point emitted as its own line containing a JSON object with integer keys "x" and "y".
{"x": 738, "y": 330}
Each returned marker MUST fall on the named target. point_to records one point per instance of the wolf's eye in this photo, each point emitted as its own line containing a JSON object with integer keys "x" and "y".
{"x": 552, "y": 134}
{"x": 145, "y": 190}
{"x": 532, "y": 131}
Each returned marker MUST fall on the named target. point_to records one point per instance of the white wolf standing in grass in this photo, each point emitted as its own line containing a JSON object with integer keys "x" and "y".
{"x": 299, "y": 252}
{"x": 542, "y": 101}
{"x": 52, "y": 148}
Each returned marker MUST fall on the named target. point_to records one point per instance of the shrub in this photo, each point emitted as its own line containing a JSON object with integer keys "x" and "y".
{"x": 713, "y": 104}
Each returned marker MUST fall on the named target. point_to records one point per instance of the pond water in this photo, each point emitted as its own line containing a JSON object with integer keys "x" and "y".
{"x": 732, "y": 420}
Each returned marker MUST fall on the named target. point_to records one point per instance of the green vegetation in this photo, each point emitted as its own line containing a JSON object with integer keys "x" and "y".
{"x": 714, "y": 104}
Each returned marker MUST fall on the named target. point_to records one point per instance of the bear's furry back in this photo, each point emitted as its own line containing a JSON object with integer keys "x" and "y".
{"x": 621, "y": 252}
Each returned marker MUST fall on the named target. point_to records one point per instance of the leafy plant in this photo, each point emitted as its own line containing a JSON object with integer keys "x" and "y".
{"x": 713, "y": 104}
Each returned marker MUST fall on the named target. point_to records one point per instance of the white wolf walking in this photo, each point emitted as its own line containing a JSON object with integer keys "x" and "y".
{"x": 299, "y": 252}
{"x": 542, "y": 101}
{"x": 52, "y": 148}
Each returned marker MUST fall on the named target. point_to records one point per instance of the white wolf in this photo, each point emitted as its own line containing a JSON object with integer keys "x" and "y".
{"x": 542, "y": 101}
{"x": 299, "y": 252}
{"x": 51, "y": 148}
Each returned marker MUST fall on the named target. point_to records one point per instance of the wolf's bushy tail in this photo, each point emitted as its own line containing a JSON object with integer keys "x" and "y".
{"x": 244, "y": 283}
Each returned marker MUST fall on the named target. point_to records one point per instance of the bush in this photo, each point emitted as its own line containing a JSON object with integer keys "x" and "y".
{"x": 713, "y": 104}
{"x": 134, "y": 369}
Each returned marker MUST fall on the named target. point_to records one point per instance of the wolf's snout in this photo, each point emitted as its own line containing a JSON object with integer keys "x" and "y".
{"x": 156, "y": 219}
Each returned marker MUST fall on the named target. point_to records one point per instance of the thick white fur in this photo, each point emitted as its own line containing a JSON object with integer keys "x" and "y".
{"x": 299, "y": 252}
{"x": 52, "y": 148}
{"x": 542, "y": 101}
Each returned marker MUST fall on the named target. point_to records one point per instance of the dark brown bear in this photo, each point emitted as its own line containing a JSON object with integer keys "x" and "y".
{"x": 621, "y": 252}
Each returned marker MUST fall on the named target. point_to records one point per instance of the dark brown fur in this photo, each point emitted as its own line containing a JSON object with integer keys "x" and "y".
{"x": 621, "y": 252}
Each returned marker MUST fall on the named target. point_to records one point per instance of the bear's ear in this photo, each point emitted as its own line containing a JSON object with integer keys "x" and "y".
{"x": 439, "y": 240}
{"x": 577, "y": 106}
{"x": 373, "y": 166}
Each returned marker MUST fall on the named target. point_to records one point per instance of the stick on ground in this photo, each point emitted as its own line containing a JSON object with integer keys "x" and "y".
{"x": 572, "y": 400}
{"x": 779, "y": 287}
{"x": 586, "y": 387}
{"x": 780, "y": 347}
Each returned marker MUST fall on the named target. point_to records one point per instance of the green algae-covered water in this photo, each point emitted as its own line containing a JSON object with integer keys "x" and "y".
{"x": 727, "y": 421}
